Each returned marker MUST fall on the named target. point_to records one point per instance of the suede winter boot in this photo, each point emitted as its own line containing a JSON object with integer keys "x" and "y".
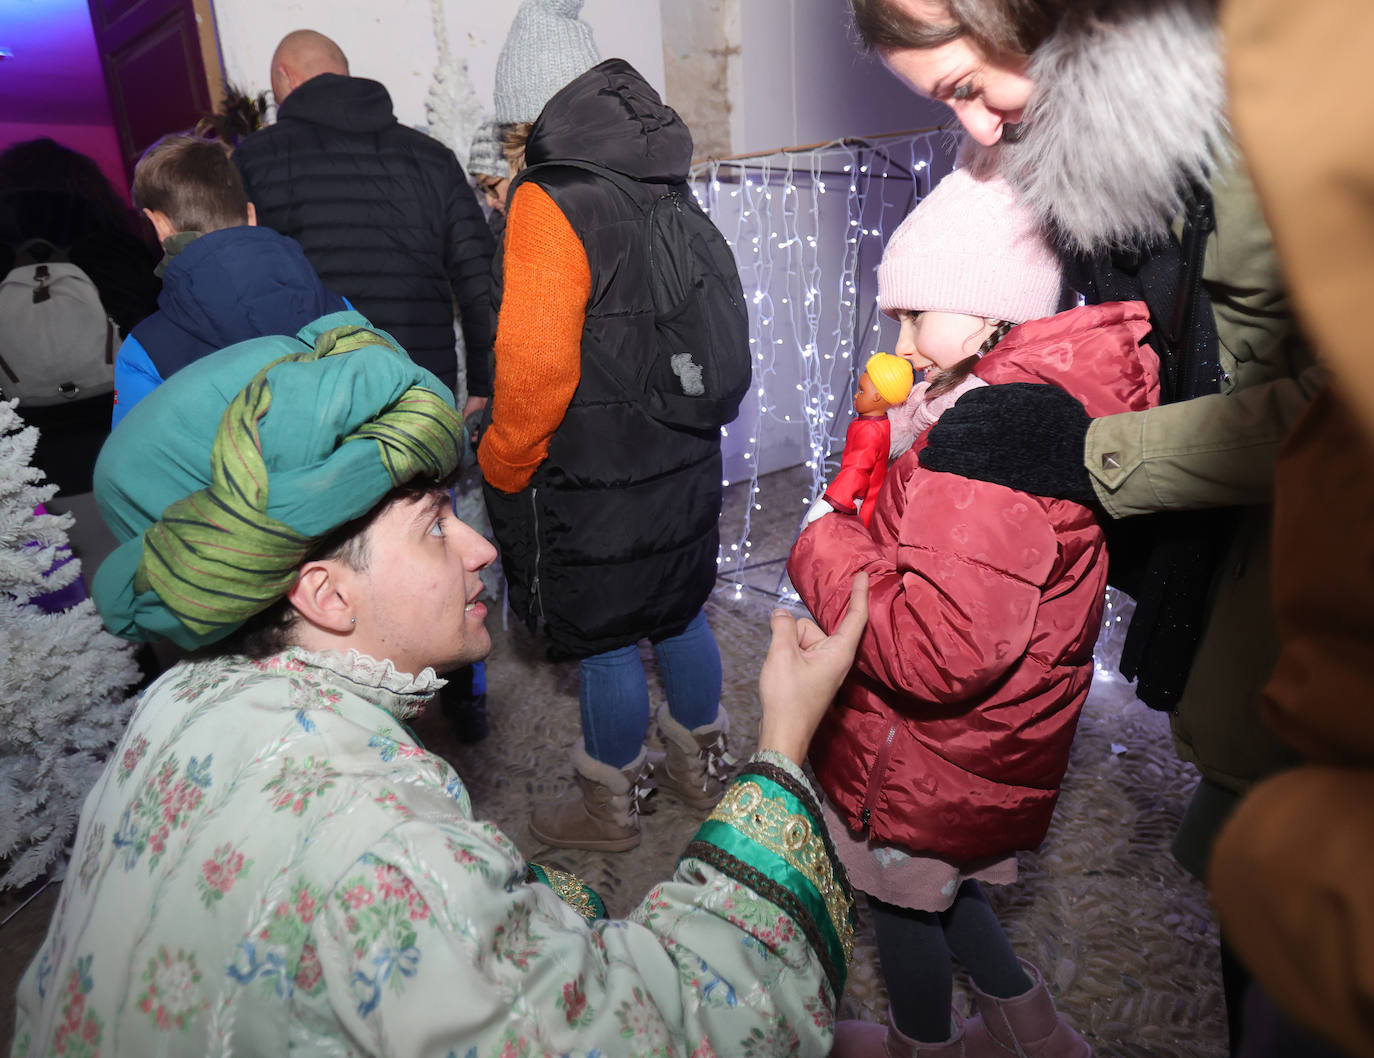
{"x": 697, "y": 763}
{"x": 603, "y": 813}
{"x": 864, "y": 1039}
{"x": 1026, "y": 1025}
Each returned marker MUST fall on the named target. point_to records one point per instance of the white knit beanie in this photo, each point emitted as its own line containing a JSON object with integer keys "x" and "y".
{"x": 970, "y": 247}
{"x": 547, "y": 46}
{"x": 485, "y": 157}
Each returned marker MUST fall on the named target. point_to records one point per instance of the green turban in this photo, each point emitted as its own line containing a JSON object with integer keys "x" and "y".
{"x": 222, "y": 480}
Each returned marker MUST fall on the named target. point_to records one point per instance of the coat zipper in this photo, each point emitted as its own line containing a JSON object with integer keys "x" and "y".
{"x": 875, "y": 777}
{"x": 534, "y": 582}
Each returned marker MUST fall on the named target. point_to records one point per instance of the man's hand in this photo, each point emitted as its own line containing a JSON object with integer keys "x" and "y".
{"x": 1024, "y": 435}
{"x": 472, "y": 418}
{"x": 803, "y": 670}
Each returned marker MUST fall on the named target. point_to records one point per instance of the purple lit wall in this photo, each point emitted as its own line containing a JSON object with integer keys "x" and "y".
{"x": 52, "y": 85}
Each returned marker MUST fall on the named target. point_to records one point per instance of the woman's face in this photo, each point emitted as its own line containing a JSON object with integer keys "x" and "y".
{"x": 494, "y": 192}
{"x": 987, "y": 95}
{"x": 940, "y": 340}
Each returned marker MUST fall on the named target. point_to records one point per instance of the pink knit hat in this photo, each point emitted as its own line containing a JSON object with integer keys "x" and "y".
{"x": 970, "y": 247}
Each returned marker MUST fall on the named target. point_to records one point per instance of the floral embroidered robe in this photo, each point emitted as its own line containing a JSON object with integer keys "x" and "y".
{"x": 269, "y": 862}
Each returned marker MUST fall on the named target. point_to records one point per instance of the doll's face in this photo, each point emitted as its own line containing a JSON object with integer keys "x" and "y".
{"x": 868, "y": 401}
{"x": 940, "y": 340}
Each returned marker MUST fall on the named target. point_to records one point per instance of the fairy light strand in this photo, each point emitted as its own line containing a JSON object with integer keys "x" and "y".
{"x": 806, "y": 228}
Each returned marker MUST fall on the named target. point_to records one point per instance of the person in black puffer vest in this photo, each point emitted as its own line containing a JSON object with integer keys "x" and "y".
{"x": 606, "y": 517}
{"x": 384, "y": 213}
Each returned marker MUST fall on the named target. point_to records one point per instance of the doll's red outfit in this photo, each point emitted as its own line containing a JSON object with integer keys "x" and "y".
{"x": 951, "y": 734}
{"x": 863, "y": 466}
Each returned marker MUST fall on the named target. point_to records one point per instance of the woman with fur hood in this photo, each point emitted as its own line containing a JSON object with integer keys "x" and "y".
{"x": 1108, "y": 116}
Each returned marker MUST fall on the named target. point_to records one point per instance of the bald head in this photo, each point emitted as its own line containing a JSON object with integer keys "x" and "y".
{"x": 301, "y": 55}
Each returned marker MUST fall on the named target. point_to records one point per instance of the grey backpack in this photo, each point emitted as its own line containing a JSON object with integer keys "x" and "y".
{"x": 57, "y": 342}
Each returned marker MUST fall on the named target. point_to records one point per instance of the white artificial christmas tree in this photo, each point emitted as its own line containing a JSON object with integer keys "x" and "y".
{"x": 62, "y": 676}
{"x": 454, "y": 112}
{"x": 452, "y": 107}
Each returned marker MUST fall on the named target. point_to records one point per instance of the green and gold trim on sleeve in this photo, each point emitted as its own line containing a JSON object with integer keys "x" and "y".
{"x": 766, "y": 833}
{"x": 571, "y": 889}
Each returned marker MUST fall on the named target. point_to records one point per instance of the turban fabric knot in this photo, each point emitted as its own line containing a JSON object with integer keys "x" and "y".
{"x": 314, "y": 439}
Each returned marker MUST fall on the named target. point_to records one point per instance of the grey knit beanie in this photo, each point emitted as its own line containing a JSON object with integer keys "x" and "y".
{"x": 547, "y": 46}
{"x": 484, "y": 156}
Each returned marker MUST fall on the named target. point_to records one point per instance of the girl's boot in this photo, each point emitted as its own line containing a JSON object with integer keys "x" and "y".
{"x": 697, "y": 762}
{"x": 1026, "y": 1025}
{"x": 864, "y": 1039}
{"x": 602, "y": 814}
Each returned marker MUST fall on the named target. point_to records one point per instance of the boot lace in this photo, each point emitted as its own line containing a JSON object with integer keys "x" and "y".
{"x": 717, "y": 760}
{"x": 641, "y": 789}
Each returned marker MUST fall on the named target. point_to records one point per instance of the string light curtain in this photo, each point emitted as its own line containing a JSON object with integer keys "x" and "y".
{"x": 807, "y": 227}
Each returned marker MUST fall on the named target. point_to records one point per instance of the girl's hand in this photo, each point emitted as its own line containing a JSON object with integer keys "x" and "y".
{"x": 803, "y": 670}
{"x": 818, "y": 509}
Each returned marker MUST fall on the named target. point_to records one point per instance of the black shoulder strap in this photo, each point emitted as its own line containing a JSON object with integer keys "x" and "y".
{"x": 38, "y": 251}
{"x": 633, "y": 189}
{"x": 1196, "y": 371}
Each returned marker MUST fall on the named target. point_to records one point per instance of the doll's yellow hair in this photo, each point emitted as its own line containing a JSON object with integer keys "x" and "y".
{"x": 892, "y": 376}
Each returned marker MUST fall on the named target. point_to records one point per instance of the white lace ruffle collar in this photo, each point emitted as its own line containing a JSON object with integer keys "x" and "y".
{"x": 370, "y": 674}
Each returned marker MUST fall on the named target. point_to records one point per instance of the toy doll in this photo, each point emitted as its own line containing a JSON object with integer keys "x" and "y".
{"x": 885, "y": 383}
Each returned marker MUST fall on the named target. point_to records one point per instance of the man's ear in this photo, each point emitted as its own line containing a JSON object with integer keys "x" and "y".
{"x": 323, "y": 596}
{"x": 162, "y": 224}
{"x": 252, "y": 215}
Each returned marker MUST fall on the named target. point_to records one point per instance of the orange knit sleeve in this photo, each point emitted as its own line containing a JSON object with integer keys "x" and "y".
{"x": 538, "y": 338}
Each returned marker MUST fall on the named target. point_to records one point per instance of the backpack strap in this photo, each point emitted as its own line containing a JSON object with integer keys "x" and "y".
{"x": 38, "y": 251}
{"x": 631, "y": 188}
{"x": 1197, "y": 370}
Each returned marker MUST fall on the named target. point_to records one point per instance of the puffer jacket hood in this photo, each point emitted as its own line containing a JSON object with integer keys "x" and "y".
{"x": 240, "y": 283}
{"x": 353, "y": 104}
{"x": 1097, "y": 353}
{"x": 613, "y": 117}
{"x": 951, "y": 734}
{"x": 1128, "y": 109}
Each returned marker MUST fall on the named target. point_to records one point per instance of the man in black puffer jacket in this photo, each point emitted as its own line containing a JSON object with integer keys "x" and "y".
{"x": 384, "y": 213}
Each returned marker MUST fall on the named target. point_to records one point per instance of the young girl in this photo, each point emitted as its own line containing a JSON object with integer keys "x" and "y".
{"x": 946, "y": 746}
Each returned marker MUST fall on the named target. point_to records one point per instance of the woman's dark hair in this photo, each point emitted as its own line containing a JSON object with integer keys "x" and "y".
{"x": 997, "y": 27}
{"x": 239, "y": 116}
{"x": 944, "y": 381}
{"x": 269, "y": 632}
{"x": 514, "y": 139}
{"x": 46, "y": 165}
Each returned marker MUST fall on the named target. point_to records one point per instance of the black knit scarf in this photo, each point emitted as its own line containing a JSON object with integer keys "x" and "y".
{"x": 1165, "y": 561}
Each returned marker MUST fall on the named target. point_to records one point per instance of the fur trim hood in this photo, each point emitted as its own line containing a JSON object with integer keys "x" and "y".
{"x": 1129, "y": 108}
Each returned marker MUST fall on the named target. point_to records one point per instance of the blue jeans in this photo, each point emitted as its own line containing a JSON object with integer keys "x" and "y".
{"x": 614, "y": 695}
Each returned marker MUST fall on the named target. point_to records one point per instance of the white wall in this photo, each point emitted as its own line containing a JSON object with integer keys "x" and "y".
{"x": 394, "y": 42}
{"x": 804, "y": 80}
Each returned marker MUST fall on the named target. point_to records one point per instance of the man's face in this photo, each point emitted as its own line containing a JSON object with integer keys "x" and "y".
{"x": 417, "y": 598}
